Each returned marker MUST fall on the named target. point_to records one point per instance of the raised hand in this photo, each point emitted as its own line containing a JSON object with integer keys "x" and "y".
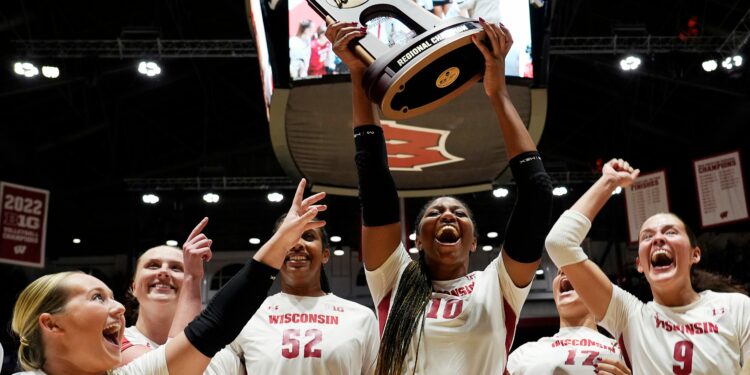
{"x": 620, "y": 172}
{"x": 500, "y": 39}
{"x": 298, "y": 220}
{"x": 341, "y": 34}
{"x": 196, "y": 250}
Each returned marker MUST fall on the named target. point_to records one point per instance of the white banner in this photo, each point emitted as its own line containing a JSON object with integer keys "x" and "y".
{"x": 645, "y": 197}
{"x": 23, "y": 224}
{"x": 721, "y": 191}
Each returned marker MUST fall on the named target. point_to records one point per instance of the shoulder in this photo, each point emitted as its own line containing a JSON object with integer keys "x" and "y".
{"x": 350, "y": 304}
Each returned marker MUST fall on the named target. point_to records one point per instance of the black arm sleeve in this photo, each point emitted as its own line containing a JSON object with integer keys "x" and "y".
{"x": 531, "y": 218}
{"x": 230, "y": 309}
{"x": 377, "y": 191}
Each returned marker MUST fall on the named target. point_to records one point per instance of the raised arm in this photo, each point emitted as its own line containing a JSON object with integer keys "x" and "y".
{"x": 381, "y": 230}
{"x": 530, "y": 220}
{"x": 195, "y": 251}
{"x": 564, "y": 240}
{"x": 230, "y": 309}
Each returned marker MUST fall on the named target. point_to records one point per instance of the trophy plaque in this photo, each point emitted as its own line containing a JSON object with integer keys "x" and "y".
{"x": 430, "y": 69}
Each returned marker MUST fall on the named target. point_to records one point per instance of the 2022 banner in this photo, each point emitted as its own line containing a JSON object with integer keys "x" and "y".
{"x": 23, "y": 224}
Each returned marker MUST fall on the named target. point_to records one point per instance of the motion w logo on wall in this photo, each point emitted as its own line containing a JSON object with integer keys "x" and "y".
{"x": 413, "y": 148}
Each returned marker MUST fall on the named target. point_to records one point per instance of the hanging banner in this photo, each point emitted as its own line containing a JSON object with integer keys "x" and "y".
{"x": 645, "y": 197}
{"x": 721, "y": 190}
{"x": 23, "y": 224}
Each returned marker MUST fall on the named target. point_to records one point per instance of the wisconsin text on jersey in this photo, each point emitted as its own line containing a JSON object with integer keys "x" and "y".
{"x": 699, "y": 328}
{"x": 303, "y": 318}
{"x": 460, "y": 291}
{"x": 582, "y": 342}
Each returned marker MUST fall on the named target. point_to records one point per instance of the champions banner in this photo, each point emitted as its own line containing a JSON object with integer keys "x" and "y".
{"x": 721, "y": 190}
{"x": 23, "y": 224}
{"x": 645, "y": 197}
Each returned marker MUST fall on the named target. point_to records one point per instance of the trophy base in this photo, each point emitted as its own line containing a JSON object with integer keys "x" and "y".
{"x": 435, "y": 67}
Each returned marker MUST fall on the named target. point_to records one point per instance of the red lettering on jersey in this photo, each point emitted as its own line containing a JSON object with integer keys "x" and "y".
{"x": 412, "y": 148}
{"x": 303, "y": 318}
{"x": 460, "y": 291}
{"x": 698, "y": 328}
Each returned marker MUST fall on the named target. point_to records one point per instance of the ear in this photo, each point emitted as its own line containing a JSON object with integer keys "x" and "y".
{"x": 695, "y": 255}
{"x": 48, "y": 324}
{"x": 638, "y": 265}
{"x": 418, "y": 243}
{"x": 326, "y": 255}
{"x": 473, "y": 245}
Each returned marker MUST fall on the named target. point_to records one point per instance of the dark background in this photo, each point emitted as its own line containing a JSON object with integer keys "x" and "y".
{"x": 83, "y": 134}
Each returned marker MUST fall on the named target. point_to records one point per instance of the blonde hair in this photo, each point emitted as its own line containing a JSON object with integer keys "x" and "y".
{"x": 44, "y": 295}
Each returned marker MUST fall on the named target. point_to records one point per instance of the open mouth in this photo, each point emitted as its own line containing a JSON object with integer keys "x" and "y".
{"x": 297, "y": 259}
{"x": 161, "y": 287}
{"x": 111, "y": 333}
{"x": 566, "y": 287}
{"x": 661, "y": 259}
{"x": 448, "y": 235}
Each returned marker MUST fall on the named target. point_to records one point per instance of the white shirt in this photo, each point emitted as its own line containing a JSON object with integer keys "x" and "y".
{"x": 151, "y": 363}
{"x": 709, "y": 336}
{"x": 309, "y": 335}
{"x": 225, "y": 362}
{"x": 470, "y": 321}
{"x": 572, "y": 351}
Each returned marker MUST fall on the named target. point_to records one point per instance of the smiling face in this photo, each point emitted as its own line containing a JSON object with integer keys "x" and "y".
{"x": 303, "y": 263}
{"x": 158, "y": 276}
{"x": 86, "y": 333}
{"x": 446, "y": 234}
{"x": 569, "y": 305}
{"x": 665, "y": 254}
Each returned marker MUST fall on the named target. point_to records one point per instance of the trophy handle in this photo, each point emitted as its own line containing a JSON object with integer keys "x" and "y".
{"x": 363, "y": 55}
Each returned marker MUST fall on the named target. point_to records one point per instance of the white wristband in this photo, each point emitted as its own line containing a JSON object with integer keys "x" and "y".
{"x": 563, "y": 242}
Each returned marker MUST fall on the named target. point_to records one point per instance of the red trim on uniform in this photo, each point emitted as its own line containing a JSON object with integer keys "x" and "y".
{"x": 125, "y": 344}
{"x": 383, "y": 306}
{"x": 510, "y": 329}
{"x": 624, "y": 352}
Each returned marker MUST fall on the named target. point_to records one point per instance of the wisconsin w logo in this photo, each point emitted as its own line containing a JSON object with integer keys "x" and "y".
{"x": 412, "y": 148}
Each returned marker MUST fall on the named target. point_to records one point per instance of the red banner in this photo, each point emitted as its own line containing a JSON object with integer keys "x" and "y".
{"x": 23, "y": 224}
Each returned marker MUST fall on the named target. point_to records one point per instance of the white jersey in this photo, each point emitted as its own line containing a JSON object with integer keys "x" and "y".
{"x": 709, "y": 336}
{"x": 309, "y": 335}
{"x": 470, "y": 321}
{"x": 151, "y": 363}
{"x": 225, "y": 362}
{"x": 572, "y": 351}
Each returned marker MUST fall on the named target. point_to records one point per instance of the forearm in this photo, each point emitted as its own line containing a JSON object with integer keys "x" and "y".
{"x": 517, "y": 138}
{"x": 592, "y": 201}
{"x": 272, "y": 253}
{"x": 363, "y": 110}
{"x": 189, "y": 304}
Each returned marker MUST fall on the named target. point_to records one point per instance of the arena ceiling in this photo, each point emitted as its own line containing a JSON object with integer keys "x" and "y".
{"x": 95, "y": 133}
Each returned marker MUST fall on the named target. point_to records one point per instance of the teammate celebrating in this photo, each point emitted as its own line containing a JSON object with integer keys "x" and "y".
{"x": 305, "y": 329}
{"x": 680, "y": 331}
{"x": 69, "y": 322}
{"x": 577, "y": 348}
{"x": 435, "y": 317}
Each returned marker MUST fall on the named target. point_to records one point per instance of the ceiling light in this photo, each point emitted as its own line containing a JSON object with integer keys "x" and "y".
{"x": 559, "y": 191}
{"x": 618, "y": 190}
{"x": 171, "y": 243}
{"x": 150, "y": 198}
{"x": 211, "y": 198}
{"x": 710, "y": 65}
{"x": 487, "y": 247}
{"x": 492, "y": 235}
{"x": 413, "y": 250}
{"x": 540, "y": 272}
{"x": 737, "y": 60}
{"x": 50, "y": 71}
{"x": 275, "y": 197}
{"x": 255, "y": 241}
{"x": 76, "y": 240}
{"x": 500, "y": 192}
{"x": 732, "y": 62}
{"x": 630, "y": 63}
{"x": 338, "y": 252}
{"x": 149, "y": 68}
{"x": 25, "y": 69}
{"x": 413, "y": 236}
{"x": 335, "y": 238}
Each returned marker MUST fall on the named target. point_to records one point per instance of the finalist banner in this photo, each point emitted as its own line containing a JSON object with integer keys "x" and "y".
{"x": 645, "y": 197}
{"x": 23, "y": 224}
{"x": 721, "y": 190}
